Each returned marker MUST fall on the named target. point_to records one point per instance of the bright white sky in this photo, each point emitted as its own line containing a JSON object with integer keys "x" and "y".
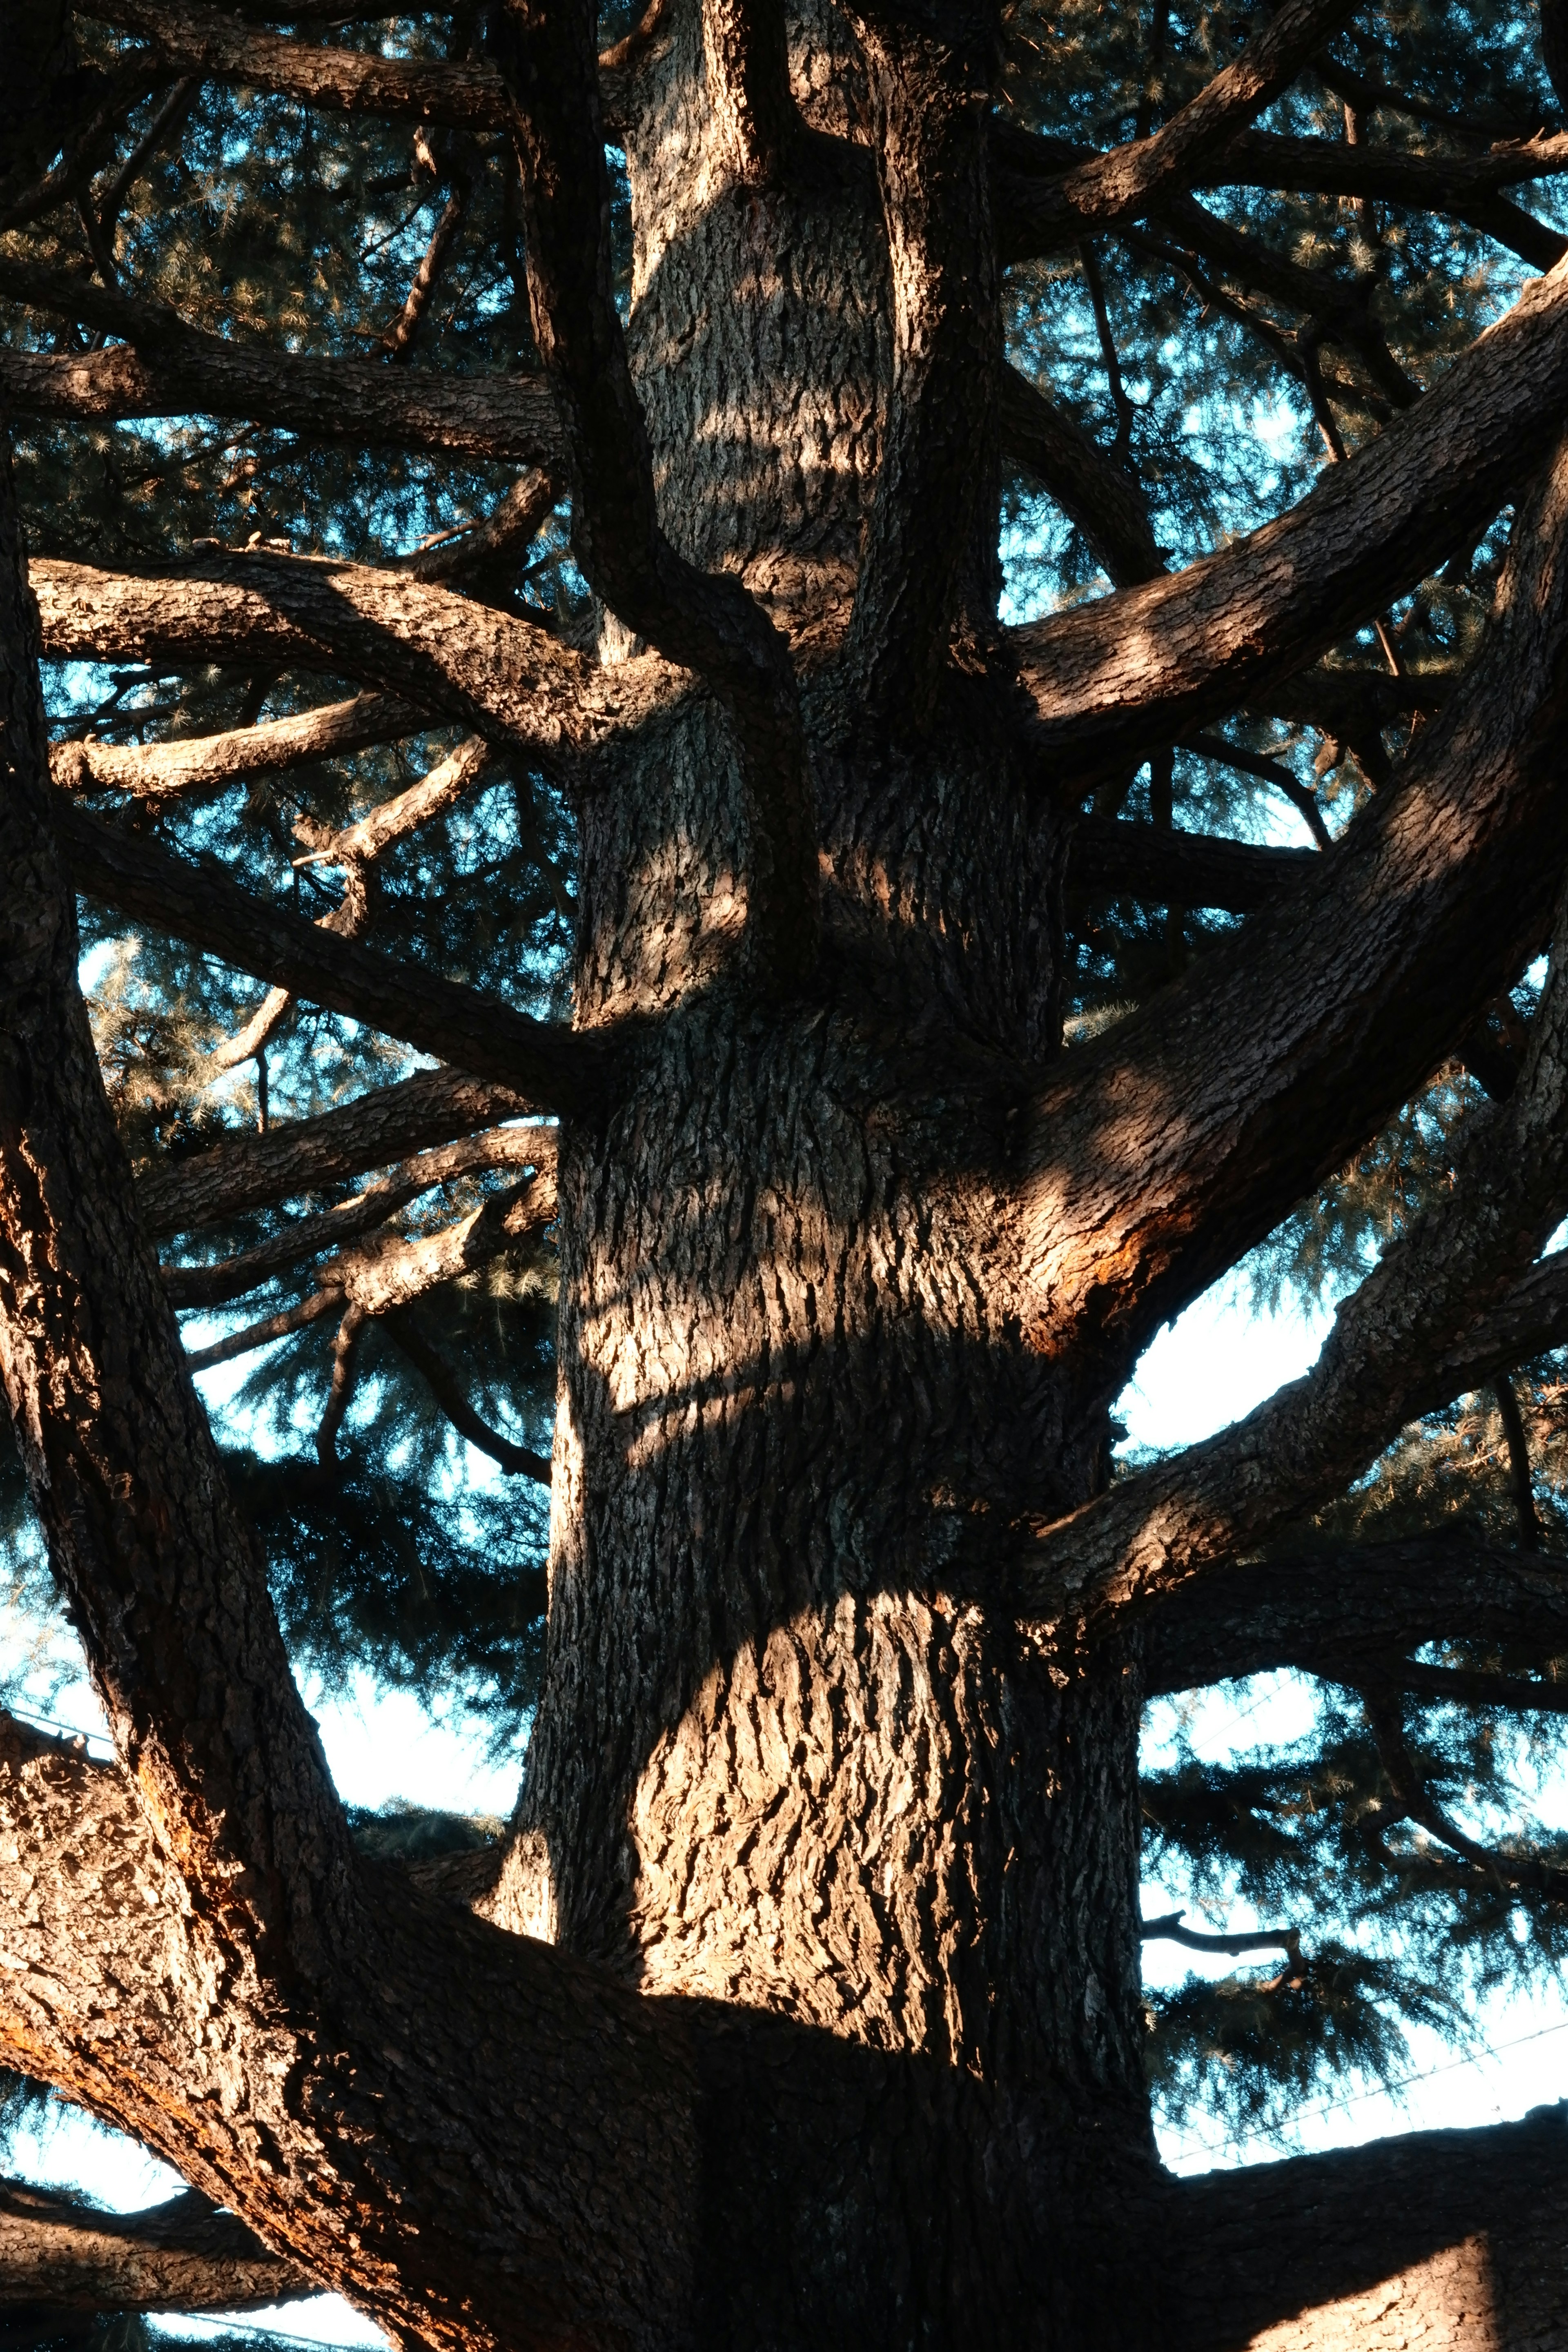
{"x": 1213, "y": 1364}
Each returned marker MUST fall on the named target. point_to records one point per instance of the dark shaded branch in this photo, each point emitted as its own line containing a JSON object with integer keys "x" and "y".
{"x": 936, "y": 484}
{"x": 1187, "y": 870}
{"x": 341, "y": 1388}
{"x": 706, "y": 622}
{"x": 1346, "y": 1609}
{"x": 398, "y": 340}
{"x": 247, "y": 1172}
{"x": 169, "y": 1600}
{"x": 1271, "y": 771}
{"x": 1426, "y": 2227}
{"x": 1554, "y": 46}
{"x": 1518, "y": 1462}
{"x": 478, "y": 1033}
{"x": 185, "y": 2255}
{"x": 1404, "y": 1341}
{"x": 287, "y": 1321}
{"x": 447, "y": 1390}
{"x": 1117, "y": 187}
{"x": 486, "y": 555}
{"x": 166, "y": 118}
{"x": 164, "y": 368}
{"x": 214, "y": 47}
{"x": 329, "y": 1229}
{"x": 1467, "y": 1687}
{"x": 1170, "y": 1931}
{"x": 89, "y": 140}
{"x": 504, "y": 678}
{"x": 1167, "y": 1147}
{"x": 1111, "y": 679}
{"x": 1483, "y": 1866}
{"x": 1090, "y": 488}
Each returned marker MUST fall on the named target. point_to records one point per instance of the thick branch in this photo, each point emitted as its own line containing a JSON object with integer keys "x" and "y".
{"x": 477, "y": 1032}
{"x": 936, "y": 484}
{"x": 248, "y": 1172}
{"x": 200, "y": 41}
{"x": 185, "y": 2255}
{"x": 1088, "y": 485}
{"x": 504, "y": 678}
{"x": 706, "y": 622}
{"x": 164, "y": 368}
{"x": 747, "y": 59}
{"x": 171, "y": 1602}
{"x": 207, "y": 763}
{"x": 1116, "y": 186}
{"x": 1390, "y": 1356}
{"x": 1113, "y": 679}
{"x": 1167, "y": 1148}
{"x": 1435, "y": 2236}
{"x": 1183, "y": 869}
{"x": 1344, "y": 1611}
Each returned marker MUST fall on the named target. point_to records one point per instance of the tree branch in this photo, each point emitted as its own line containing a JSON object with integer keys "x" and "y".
{"x": 1187, "y": 869}
{"x": 1286, "y": 1049}
{"x": 165, "y": 368}
{"x": 1113, "y": 679}
{"x": 1394, "y": 1351}
{"x": 201, "y": 42}
{"x": 504, "y": 678}
{"x": 185, "y": 2255}
{"x": 937, "y": 480}
{"x": 706, "y": 622}
{"x": 550, "y": 1064}
{"x": 1088, "y": 485}
{"x": 191, "y": 763}
{"x": 442, "y": 1381}
{"x": 171, "y": 1602}
{"x": 247, "y": 1172}
{"x": 1116, "y": 186}
{"x": 747, "y": 59}
{"x": 1170, "y": 1931}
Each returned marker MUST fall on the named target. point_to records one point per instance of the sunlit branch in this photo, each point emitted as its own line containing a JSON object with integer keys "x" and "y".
{"x": 195, "y": 763}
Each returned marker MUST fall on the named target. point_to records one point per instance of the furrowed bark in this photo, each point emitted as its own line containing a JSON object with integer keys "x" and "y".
{"x": 1450, "y": 2237}
{"x": 248, "y": 1170}
{"x": 171, "y": 1602}
{"x": 704, "y": 621}
{"x": 506, "y": 679}
{"x": 156, "y": 772}
{"x": 1344, "y": 1610}
{"x": 164, "y": 368}
{"x": 181, "y": 2256}
{"x": 1088, "y": 485}
{"x": 1117, "y": 185}
{"x": 478, "y": 1034}
{"x": 201, "y": 42}
{"x": 1113, "y": 679}
{"x": 1174, "y": 1143}
{"x": 747, "y": 58}
{"x": 1390, "y": 1355}
{"x": 936, "y": 490}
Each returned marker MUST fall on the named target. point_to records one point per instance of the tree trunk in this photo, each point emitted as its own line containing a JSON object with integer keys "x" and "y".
{"x": 764, "y": 1772}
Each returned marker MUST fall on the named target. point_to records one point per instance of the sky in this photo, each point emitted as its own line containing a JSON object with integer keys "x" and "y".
{"x": 1213, "y": 1364}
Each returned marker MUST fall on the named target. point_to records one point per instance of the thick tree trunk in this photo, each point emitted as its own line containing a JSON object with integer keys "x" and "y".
{"x": 765, "y": 1770}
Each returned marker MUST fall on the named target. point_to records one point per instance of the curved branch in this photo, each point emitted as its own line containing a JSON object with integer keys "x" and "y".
{"x": 706, "y": 622}
{"x": 1185, "y": 869}
{"x": 170, "y": 1600}
{"x": 1111, "y": 679}
{"x": 1161, "y": 1152}
{"x": 188, "y": 763}
{"x": 504, "y": 678}
{"x": 550, "y": 1065}
{"x": 444, "y": 1385}
{"x": 1088, "y": 485}
{"x": 312, "y": 1236}
{"x": 1390, "y": 1355}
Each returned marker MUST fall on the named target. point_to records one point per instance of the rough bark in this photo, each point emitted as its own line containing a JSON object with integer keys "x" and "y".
{"x": 153, "y": 771}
